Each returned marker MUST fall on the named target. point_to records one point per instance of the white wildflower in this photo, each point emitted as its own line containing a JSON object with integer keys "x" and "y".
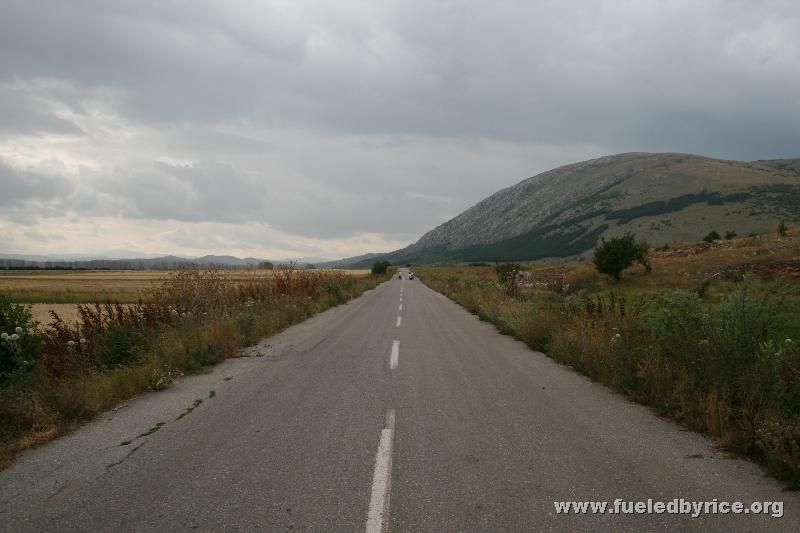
{"x": 18, "y": 330}
{"x": 70, "y": 343}
{"x": 14, "y": 337}
{"x": 4, "y": 336}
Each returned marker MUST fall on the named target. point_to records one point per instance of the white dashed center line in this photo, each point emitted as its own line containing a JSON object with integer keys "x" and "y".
{"x": 378, "y": 515}
{"x": 399, "y": 321}
{"x": 394, "y": 359}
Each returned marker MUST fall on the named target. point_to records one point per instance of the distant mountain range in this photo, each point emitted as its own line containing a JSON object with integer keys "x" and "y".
{"x": 139, "y": 263}
{"x": 659, "y": 197}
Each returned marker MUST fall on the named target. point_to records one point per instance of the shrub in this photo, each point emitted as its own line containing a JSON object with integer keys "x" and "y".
{"x": 642, "y": 249}
{"x": 711, "y": 236}
{"x": 380, "y": 268}
{"x": 782, "y": 228}
{"x": 721, "y": 345}
{"x": 120, "y": 345}
{"x": 674, "y": 318}
{"x": 730, "y": 235}
{"x": 613, "y": 256}
{"x": 19, "y": 345}
{"x": 508, "y": 275}
{"x": 535, "y": 326}
{"x": 701, "y": 289}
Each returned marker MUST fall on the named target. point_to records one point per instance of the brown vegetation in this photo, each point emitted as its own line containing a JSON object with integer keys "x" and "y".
{"x": 55, "y": 376}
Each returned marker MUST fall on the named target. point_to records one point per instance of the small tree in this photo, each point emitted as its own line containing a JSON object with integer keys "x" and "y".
{"x": 380, "y": 268}
{"x": 730, "y": 235}
{"x": 642, "y": 249}
{"x": 782, "y": 228}
{"x": 712, "y": 236}
{"x": 508, "y": 275}
{"x": 613, "y": 256}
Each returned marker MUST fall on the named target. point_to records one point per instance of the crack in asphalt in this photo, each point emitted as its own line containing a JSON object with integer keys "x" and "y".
{"x": 127, "y": 456}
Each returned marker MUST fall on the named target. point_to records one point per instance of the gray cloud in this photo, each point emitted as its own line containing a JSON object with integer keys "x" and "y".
{"x": 333, "y": 119}
{"x": 572, "y": 71}
{"x": 23, "y": 190}
{"x": 204, "y": 191}
{"x": 22, "y": 113}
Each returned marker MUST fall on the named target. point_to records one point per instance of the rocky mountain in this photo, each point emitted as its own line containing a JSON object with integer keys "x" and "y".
{"x": 659, "y": 197}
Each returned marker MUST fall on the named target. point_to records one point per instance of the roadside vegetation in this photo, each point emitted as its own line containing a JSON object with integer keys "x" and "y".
{"x": 380, "y": 268}
{"x": 705, "y": 333}
{"x": 54, "y": 376}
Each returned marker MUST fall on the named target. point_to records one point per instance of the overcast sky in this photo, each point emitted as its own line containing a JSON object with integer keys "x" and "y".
{"x": 314, "y": 128}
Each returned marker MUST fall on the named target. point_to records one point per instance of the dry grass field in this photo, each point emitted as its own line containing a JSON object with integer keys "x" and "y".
{"x": 41, "y": 312}
{"x": 61, "y": 290}
{"x": 43, "y": 286}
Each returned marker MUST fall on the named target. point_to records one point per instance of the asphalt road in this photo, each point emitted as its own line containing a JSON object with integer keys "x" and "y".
{"x": 398, "y": 411}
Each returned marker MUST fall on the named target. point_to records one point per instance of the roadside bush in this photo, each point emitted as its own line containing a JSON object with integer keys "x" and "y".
{"x": 19, "y": 344}
{"x": 535, "y": 326}
{"x": 730, "y": 235}
{"x": 380, "y": 268}
{"x": 674, "y": 320}
{"x": 702, "y": 287}
{"x": 712, "y": 236}
{"x": 119, "y": 346}
{"x": 730, "y": 369}
{"x": 722, "y": 345}
{"x": 508, "y": 274}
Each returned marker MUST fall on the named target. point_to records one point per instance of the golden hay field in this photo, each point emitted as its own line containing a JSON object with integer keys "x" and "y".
{"x": 60, "y": 290}
{"x": 41, "y": 312}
